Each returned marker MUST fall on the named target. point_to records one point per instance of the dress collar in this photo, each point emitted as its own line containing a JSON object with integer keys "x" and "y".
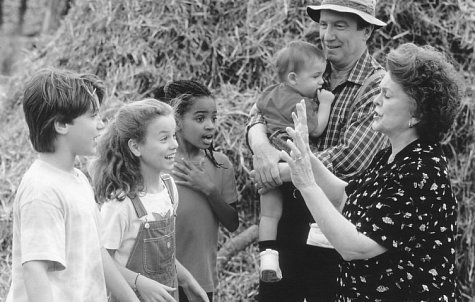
{"x": 413, "y": 148}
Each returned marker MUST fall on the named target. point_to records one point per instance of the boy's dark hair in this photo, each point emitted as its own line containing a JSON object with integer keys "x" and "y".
{"x": 294, "y": 56}
{"x": 181, "y": 95}
{"x": 54, "y": 95}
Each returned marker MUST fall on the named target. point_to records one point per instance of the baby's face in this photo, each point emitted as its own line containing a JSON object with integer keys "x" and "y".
{"x": 309, "y": 79}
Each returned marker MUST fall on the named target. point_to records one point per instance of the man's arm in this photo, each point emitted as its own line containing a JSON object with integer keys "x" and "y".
{"x": 38, "y": 287}
{"x": 265, "y": 156}
{"x": 358, "y": 141}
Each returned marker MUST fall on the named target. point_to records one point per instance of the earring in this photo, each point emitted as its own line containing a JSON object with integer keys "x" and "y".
{"x": 410, "y": 124}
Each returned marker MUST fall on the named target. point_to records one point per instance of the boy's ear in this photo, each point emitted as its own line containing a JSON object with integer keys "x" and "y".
{"x": 292, "y": 78}
{"x": 61, "y": 128}
{"x": 134, "y": 147}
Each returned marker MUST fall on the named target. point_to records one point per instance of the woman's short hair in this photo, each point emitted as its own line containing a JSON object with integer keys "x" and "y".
{"x": 428, "y": 77}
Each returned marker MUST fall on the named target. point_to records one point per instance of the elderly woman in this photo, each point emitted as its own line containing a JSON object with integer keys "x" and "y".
{"x": 396, "y": 233}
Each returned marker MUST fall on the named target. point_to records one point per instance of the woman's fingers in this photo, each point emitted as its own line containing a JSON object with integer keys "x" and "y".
{"x": 300, "y": 116}
{"x": 302, "y": 112}
{"x": 298, "y": 142}
{"x": 286, "y": 157}
{"x": 300, "y": 120}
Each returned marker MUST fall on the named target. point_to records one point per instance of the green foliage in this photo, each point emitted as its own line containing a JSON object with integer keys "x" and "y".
{"x": 138, "y": 45}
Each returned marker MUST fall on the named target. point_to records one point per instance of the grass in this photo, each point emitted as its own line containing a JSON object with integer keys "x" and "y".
{"x": 136, "y": 46}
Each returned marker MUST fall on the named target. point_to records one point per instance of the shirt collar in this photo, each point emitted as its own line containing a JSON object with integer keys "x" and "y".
{"x": 414, "y": 148}
{"x": 365, "y": 66}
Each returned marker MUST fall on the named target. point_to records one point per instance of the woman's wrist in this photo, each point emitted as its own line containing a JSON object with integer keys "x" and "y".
{"x": 307, "y": 187}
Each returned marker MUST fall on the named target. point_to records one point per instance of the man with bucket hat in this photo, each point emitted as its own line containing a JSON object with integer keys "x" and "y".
{"x": 309, "y": 264}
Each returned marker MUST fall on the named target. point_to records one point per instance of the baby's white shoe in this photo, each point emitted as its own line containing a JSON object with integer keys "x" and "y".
{"x": 270, "y": 270}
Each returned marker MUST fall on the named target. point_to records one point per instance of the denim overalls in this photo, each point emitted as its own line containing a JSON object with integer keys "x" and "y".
{"x": 153, "y": 253}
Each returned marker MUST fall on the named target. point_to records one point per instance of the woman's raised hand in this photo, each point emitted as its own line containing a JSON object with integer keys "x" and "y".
{"x": 299, "y": 157}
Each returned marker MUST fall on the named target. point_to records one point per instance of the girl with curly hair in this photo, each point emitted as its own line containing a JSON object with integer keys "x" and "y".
{"x": 140, "y": 200}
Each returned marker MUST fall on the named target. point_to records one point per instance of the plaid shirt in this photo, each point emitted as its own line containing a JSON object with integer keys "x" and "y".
{"x": 348, "y": 144}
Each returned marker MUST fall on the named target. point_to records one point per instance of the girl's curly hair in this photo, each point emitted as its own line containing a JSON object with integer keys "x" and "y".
{"x": 430, "y": 79}
{"x": 115, "y": 172}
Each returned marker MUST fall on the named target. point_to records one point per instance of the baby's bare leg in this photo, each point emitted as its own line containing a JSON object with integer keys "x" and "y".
{"x": 271, "y": 211}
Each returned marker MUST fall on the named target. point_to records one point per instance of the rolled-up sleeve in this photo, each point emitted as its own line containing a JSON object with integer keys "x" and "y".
{"x": 255, "y": 117}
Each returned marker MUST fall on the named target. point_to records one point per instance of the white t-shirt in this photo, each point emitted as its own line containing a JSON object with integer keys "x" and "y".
{"x": 55, "y": 218}
{"x": 121, "y": 224}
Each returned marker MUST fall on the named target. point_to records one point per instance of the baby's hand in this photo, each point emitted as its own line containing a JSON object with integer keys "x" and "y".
{"x": 325, "y": 97}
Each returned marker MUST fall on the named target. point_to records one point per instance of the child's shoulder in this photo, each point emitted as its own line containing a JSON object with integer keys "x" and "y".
{"x": 272, "y": 87}
{"x": 39, "y": 177}
{"x": 221, "y": 158}
{"x": 282, "y": 91}
{"x": 120, "y": 208}
{"x": 45, "y": 183}
{"x": 223, "y": 161}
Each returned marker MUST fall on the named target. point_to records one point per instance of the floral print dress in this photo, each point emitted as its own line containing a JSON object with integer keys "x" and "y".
{"x": 408, "y": 207}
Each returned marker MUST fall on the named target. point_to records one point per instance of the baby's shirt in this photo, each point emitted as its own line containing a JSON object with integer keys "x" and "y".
{"x": 55, "y": 218}
{"x": 277, "y": 103}
{"x": 121, "y": 224}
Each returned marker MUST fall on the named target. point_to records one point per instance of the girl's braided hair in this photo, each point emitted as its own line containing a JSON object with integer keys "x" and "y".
{"x": 181, "y": 95}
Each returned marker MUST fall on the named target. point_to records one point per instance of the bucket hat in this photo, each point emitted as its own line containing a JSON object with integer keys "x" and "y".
{"x": 363, "y": 8}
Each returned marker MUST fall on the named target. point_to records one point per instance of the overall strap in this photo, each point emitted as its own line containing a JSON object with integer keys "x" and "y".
{"x": 137, "y": 203}
{"x": 138, "y": 206}
{"x": 377, "y": 74}
{"x": 167, "y": 180}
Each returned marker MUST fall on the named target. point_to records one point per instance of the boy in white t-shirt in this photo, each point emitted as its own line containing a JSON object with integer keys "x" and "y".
{"x": 57, "y": 251}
